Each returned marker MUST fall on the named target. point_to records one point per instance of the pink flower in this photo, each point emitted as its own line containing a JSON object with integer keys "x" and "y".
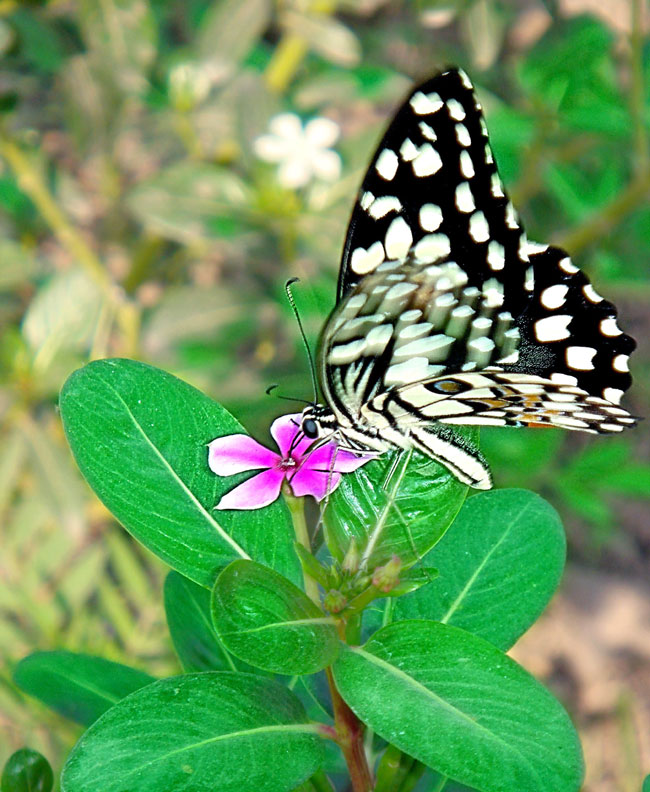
{"x": 307, "y": 473}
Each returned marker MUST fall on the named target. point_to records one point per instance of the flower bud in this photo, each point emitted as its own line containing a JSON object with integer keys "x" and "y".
{"x": 352, "y": 558}
{"x": 335, "y": 601}
{"x": 386, "y": 577}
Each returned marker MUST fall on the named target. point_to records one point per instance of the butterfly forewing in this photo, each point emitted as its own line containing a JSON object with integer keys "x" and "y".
{"x": 447, "y": 314}
{"x": 433, "y": 191}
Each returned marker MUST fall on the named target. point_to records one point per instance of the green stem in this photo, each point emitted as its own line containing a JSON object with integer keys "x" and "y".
{"x": 297, "y": 511}
{"x": 442, "y": 783}
{"x": 603, "y": 222}
{"x": 30, "y": 181}
{"x": 414, "y": 774}
{"x": 637, "y": 98}
{"x": 321, "y": 782}
{"x": 392, "y": 770}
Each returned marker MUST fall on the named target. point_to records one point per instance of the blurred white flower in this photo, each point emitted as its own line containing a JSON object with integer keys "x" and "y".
{"x": 302, "y": 152}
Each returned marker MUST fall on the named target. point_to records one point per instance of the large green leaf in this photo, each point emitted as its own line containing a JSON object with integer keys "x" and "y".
{"x": 78, "y": 686}
{"x": 198, "y": 733}
{"x": 139, "y": 436}
{"x": 499, "y": 564}
{"x": 405, "y": 515}
{"x": 270, "y": 623}
{"x": 458, "y": 704}
{"x": 27, "y": 771}
{"x": 187, "y": 607}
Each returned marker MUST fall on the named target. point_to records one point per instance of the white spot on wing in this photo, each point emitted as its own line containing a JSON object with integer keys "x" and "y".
{"x": 456, "y": 110}
{"x": 566, "y": 266}
{"x": 591, "y": 294}
{"x": 427, "y": 161}
{"x": 462, "y": 135}
{"x": 364, "y": 261}
{"x": 424, "y": 104}
{"x": 465, "y": 79}
{"x": 366, "y": 199}
{"x": 613, "y": 395}
{"x": 563, "y": 379}
{"x": 466, "y": 164}
{"x": 382, "y": 206}
{"x": 609, "y": 327}
{"x": 580, "y": 357}
{"x": 496, "y": 256}
{"x": 554, "y": 296}
{"x": 432, "y": 247}
{"x": 430, "y": 216}
{"x": 553, "y": 328}
{"x": 496, "y": 188}
{"x": 464, "y": 198}
{"x": 398, "y": 238}
{"x": 511, "y": 216}
{"x": 386, "y": 165}
{"x": 620, "y": 363}
{"x": 478, "y": 227}
{"x": 408, "y": 150}
{"x": 427, "y": 131}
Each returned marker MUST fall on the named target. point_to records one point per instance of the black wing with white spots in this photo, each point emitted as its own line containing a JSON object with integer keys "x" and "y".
{"x": 433, "y": 191}
{"x": 447, "y": 314}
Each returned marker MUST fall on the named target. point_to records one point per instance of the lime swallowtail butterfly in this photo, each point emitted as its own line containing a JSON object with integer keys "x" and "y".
{"x": 447, "y": 314}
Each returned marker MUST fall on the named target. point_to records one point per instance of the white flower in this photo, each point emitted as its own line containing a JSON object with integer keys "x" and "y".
{"x": 302, "y": 153}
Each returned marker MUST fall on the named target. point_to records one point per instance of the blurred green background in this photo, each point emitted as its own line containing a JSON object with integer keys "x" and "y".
{"x": 140, "y": 216}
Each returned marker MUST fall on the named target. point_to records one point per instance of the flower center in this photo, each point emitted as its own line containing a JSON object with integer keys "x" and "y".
{"x": 288, "y": 463}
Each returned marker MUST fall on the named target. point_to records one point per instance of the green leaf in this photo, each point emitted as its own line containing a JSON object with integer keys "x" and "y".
{"x": 198, "y": 733}
{"x": 78, "y": 686}
{"x": 229, "y": 30}
{"x": 646, "y": 784}
{"x": 458, "y": 704}
{"x": 185, "y": 201}
{"x": 27, "y": 771}
{"x": 499, "y": 564}
{"x": 270, "y": 623}
{"x": 404, "y": 518}
{"x": 187, "y": 607}
{"x": 139, "y": 436}
{"x": 122, "y": 34}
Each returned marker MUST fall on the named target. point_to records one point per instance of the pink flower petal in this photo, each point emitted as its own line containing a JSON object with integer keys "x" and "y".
{"x": 255, "y": 493}
{"x": 344, "y": 462}
{"x": 284, "y": 429}
{"x": 311, "y": 482}
{"x": 238, "y": 453}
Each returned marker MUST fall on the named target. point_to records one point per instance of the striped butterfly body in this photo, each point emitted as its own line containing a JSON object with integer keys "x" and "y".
{"x": 446, "y": 314}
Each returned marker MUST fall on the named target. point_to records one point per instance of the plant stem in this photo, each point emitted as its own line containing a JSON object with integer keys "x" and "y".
{"x": 601, "y": 223}
{"x": 297, "y": 511}
{"x": 292, "y": 49}
{"x": 637, "y": 99}
{"x": 30, "y": 181}
{"x": 442, "y": 783}
{"x": 349, "y": 730}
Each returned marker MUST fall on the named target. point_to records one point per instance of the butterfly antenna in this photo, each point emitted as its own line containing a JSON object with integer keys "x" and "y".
{"x": 271, "y": 388}
{"x": 294, "y": 308}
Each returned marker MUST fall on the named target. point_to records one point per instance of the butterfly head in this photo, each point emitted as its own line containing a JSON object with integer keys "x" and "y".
{"x": 317, "y": 421}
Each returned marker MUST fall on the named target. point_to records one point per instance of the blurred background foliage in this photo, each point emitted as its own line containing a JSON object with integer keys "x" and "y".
{"x": 140, "y": 216}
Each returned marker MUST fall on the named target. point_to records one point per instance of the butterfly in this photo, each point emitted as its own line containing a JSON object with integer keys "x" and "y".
{"x": 447, "y": 314}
